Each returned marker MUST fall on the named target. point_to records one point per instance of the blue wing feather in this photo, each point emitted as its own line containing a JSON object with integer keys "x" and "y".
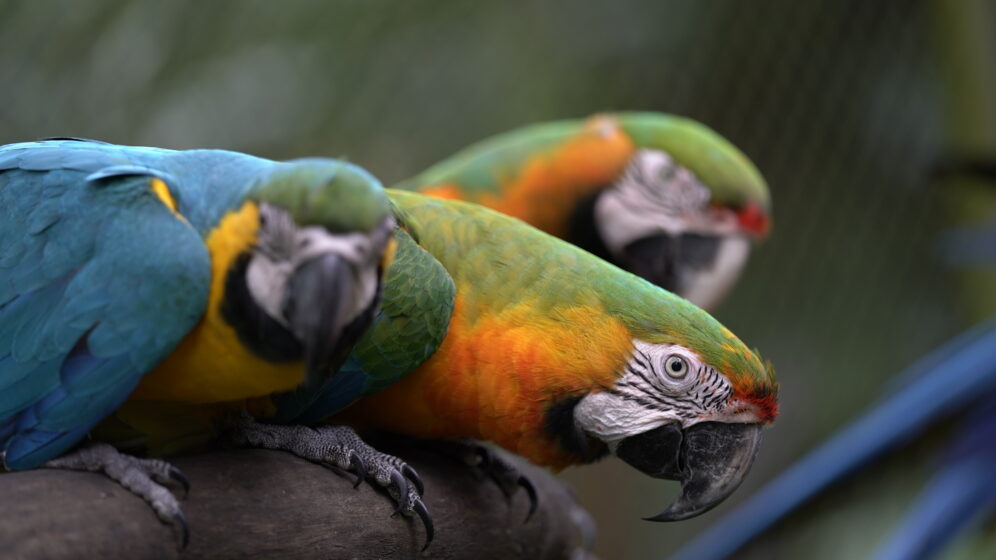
{"x": 98, "y": 282}
{"x": 129, "y": 171}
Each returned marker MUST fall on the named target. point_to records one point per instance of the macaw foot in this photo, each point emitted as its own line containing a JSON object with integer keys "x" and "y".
{"x": 339, "y": 447}
{"x": 146, "y": 478}
{"x": 500, "y": 470}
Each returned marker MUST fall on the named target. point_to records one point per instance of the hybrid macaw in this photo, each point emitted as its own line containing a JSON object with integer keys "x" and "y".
{"x": 193, "y": 277}
{"x": 661, "y": 196}
{"x": 493, "y": 330}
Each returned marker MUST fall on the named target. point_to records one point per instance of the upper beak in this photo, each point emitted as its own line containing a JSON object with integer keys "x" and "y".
{"x": 320, "y": 296}
{"x": 710, "y": 459}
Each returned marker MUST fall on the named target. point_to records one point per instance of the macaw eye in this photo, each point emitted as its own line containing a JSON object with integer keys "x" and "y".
{"x": 676, "y": 367}
{"x": 667, "y": 172}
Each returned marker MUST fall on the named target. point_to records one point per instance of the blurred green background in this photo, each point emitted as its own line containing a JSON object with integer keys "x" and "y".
{"x": 845, "y": 106}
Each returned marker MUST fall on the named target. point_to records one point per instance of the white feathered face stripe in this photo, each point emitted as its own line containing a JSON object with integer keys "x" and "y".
{"x": 657, "y": 195}
{"x": 282, "y": 246}
{"x": 653, "y": 181}
{"x": 661, "y": 383}
{"x": 672, "y": 379}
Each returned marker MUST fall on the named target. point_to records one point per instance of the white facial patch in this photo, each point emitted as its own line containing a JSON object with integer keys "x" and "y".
{"x": 654, "y": 389}
{"x": 706, "y": 287}
{"x": 267, "y": 280}
{"x": 656, "y": 195}
{"x": 283, "y": 247}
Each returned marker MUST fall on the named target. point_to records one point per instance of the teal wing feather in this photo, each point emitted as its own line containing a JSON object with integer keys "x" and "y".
{"x": 98, "y": 282}
{"x": 417, "y": 303}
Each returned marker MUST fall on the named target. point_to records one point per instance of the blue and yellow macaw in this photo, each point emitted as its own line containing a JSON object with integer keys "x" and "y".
{"x": 190, "y": 277}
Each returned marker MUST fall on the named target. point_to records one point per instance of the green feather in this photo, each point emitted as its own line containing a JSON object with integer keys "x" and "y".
{"x": 415, "y": 314}
{"x": 336, "y": 195}
{"x": 722, "y": 167}
{"x": 731, "y": 177}
{"x": 497, "y": 261}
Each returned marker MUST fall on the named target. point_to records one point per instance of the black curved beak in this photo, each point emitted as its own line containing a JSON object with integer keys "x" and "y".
{"x": 666, "y": 260}
{"x": 710, "y": 459}
{"x": 319, "y": 295}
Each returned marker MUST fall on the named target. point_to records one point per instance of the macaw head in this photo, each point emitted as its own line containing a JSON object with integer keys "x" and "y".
{"x": 323, "y": 241}
{"x": 687, "y": 402}
{"x": 686, "y": 208}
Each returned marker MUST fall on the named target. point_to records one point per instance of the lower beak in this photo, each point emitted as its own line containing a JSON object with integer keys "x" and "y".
{"x": 666, "y": 259}
{"x": 320, "y": 296}
{"x": 710, "y": 459}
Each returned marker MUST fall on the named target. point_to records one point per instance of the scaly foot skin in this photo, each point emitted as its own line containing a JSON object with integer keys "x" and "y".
{"x": 340, "y": 447}
{"x": 501, "y": 471}
{"x": 146, "y": 478}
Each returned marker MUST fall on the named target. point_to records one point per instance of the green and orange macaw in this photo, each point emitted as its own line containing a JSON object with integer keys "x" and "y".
{"x": 491, "y": 329}
{"x": 661, "y": 196}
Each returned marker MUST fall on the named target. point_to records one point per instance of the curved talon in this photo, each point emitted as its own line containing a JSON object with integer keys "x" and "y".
{"x": 358, "y": 468}
{"x": 423, "y": 513}
{"x": 180, "y": 478}
{"x": 181, "y": 521}
{"x": 413, "y": 476}
{"x": 401, "y": 486}
{"x": 527, "y": 485}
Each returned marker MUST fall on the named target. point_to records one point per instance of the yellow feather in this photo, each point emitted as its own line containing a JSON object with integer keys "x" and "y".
{"x": 211, "y": 365}
{"x": 159, "y": 188}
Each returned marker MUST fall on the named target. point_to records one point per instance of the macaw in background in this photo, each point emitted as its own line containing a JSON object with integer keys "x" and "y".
{"x": 191, "y": 277}
{"x": 661, "y": 196}
{"x": 957, "y": 380}
{"x": 490, "y": 329}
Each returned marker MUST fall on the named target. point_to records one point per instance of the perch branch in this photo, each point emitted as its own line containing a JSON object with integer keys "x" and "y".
{"x": 270, "y": 504}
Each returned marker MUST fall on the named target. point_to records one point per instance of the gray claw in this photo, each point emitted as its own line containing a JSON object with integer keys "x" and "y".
{"x": 413, "y": 476}
{"x": 359, "y": 469}
{"x": 176, "y": 475}
{"x": 504, "y": 473}
{"x": 527, "y": 485}
{"x": 336, "y": 447}
{"x": 400, "y": 485}
{"x": 423, "y": 513}
{"x": 181, "y": 522}
{"x": 146, "y": 478}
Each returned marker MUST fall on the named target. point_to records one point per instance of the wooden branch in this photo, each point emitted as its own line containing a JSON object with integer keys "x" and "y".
{"x": 270, "y": 504}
